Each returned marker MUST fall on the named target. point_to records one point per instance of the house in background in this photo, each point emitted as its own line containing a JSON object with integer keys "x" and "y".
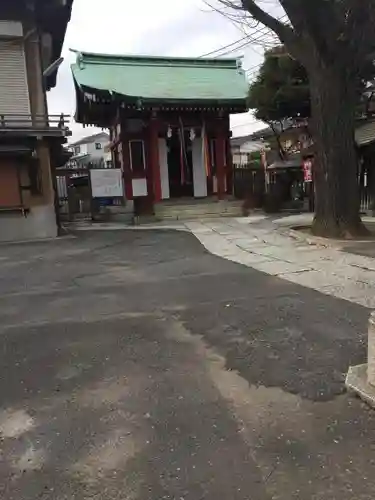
{"x": 93, "y": 149}
{"x": 244, "y": 147}
{"x": 169, "y": 122}
{"x": 31, "y": 37}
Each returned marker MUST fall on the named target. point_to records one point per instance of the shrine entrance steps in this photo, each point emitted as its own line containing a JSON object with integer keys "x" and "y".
{"x": 190, "y": 209}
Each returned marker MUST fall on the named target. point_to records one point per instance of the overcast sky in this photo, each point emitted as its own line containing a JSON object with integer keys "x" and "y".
{"x": 155, "y": 27}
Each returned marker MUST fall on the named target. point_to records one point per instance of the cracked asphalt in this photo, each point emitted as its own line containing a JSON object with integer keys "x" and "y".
{"x": 134, "y": 365}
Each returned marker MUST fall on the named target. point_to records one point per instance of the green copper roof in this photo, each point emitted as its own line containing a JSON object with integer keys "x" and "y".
{"x": 162, "y": 78}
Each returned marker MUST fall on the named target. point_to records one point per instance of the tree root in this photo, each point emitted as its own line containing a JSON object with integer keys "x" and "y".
{"x": 338, "y": 229}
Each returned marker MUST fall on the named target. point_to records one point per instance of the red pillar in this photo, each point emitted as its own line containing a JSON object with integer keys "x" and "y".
{"x": 123, "y": 152}
{"x": 229, "y": 158}
{"x": 220, "y": 160}
{"x": 154, "y": 159}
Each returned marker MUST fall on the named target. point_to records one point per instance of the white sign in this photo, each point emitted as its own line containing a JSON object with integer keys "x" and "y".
{"x": 106, "y": 182}
{"x": 139, "y": 187}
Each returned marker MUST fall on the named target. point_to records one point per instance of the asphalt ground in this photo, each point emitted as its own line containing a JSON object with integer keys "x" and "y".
{"x": 135, "y": 365}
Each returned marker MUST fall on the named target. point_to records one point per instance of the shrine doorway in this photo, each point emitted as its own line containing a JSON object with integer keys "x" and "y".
{"x": 180, "y": 165}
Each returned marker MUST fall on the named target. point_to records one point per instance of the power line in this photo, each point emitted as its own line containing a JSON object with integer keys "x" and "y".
{"x": 233, "y": 47}
{"x": 248, "y": 70}
{"x": 263, "y": 33}
{"x": 224, "y": 47}
{"x": 264, "y": 30}
{"x": 248, "y": 38}
{"x": 233, "y": 50}
{"x": 242, "y": 45}
{"x": 253, "y": 69}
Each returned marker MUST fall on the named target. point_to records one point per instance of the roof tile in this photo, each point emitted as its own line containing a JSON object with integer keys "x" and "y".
{"x": 161, "y": 78}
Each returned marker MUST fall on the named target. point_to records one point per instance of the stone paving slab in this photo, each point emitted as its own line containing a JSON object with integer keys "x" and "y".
{"x": 277, "y": 252}
{"x": 345, "y": 271}
{"x": 248, "y": 259}
{"x": 279, "y": 268}
{"x": 359, "y": 293}
{"x": 246, "y": 243}
{"x": 319, "y": 281}
{"x": 266, "y": 246}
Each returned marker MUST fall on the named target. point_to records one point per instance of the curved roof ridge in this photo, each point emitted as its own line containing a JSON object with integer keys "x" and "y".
{"x": 103, "y": 58}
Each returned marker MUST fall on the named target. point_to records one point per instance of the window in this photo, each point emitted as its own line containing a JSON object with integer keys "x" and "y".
{"x": 98, "y": 145}
{"x": 137, "y": 156}
{"x": 77, "y": 150}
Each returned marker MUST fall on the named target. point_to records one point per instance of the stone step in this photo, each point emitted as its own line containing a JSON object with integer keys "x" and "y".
{"x": 172, "y": 213}
{"x": 198, "y": 210}
{"x": 210, "y": 207}
{"x": 191, "y": 217}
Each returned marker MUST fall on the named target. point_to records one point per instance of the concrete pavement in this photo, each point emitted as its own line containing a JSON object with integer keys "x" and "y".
{"x": 136, "y": 365}
{"x": 267, "y": 245}
{"x": 341, "y": 269}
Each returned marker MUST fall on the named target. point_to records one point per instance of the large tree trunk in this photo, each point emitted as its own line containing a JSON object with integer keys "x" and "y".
{"x": 333, "y": 100}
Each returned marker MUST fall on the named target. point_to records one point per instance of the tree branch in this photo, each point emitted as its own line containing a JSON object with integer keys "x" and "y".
{"x": 281, "y": 151}
{"x": 285, "y": 33}
{"x": 359, "y": 30}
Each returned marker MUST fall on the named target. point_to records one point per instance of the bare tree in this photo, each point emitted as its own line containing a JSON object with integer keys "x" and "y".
{"x": 334, "y": 40}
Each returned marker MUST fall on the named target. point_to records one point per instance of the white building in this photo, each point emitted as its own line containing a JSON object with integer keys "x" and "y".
{"x": 243, "y": 147}
{"x": 91, "y": 149}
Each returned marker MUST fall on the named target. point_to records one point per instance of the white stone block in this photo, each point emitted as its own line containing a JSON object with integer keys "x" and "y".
{"x": 371, "y": 350}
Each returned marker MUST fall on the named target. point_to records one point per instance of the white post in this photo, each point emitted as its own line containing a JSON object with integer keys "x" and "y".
{"x": 199, "y": 171}
{"x": 361, "y": 378}
{"x": 371, "y": 350}
{"x": 164, "y": 173}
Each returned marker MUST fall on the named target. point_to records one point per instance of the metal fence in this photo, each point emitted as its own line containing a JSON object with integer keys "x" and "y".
{"x": 77, "y": 193}
{"x": 248, "y": 182}
{"x": 73, "y": 194}
{"x": 365, "y": 180}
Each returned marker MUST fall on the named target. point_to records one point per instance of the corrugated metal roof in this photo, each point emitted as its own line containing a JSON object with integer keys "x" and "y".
{"x": 365, "y": 133}
{"x": 162, "y": 78}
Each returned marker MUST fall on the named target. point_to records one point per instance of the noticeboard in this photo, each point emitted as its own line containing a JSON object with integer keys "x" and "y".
{"x": 106, "y": 183}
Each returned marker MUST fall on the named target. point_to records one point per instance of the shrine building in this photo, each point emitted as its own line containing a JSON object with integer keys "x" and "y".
{"x": 168, "y": 120}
